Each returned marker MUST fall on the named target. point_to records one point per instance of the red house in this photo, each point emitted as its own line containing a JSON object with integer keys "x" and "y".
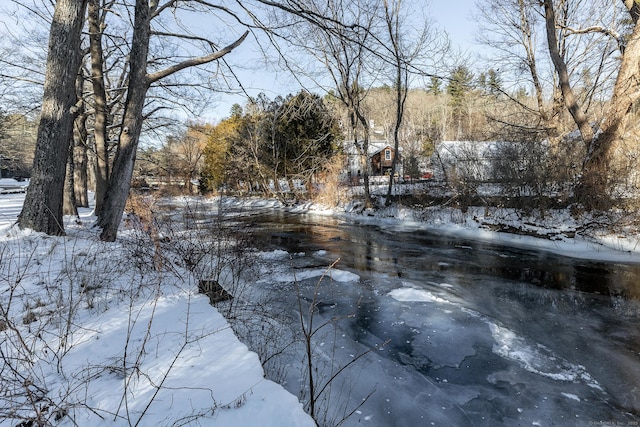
{"x": 382, "y": 159}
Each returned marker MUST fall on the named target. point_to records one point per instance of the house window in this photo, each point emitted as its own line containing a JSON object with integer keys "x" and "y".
{"x": 387, "y": 154}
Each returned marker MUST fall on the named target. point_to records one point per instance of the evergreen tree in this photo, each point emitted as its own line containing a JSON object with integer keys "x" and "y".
{"x": 308, "y": 132}
{"x": 494, "y": 82}
{"x": 434, "y": 86}
{"x": 460, "y": 83}
{"x": 490, "y": 82}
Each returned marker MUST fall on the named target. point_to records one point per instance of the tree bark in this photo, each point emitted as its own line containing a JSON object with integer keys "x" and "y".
{"x": 120, "y": 181}
{"x": 100, "y": 104}
{"x": 593, "y": 187}
{"x": 69, "y": 203}
{"x": 69, "y": 198}
{"x": 74, "y": 192}
{"x": 560, "y": 66}
{"x": 78, "y": 154}
{"x": 81, "y": 178}
{"x": 42, "y": 209}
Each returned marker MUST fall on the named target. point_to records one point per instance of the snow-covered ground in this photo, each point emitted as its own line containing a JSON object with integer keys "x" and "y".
{"x": 93, "y": 333}
{"x": 89, "y": 336}
{"x": 10, "y": 185}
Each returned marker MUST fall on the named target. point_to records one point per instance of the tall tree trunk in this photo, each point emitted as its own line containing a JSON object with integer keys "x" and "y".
{"x": 401, "y": 85}
{"x": 401, "y": 97}
{"x": 69, "y": 197}
{"x": 100, "y": 104}
{"x": 593, "y": 190}
{"x": 42, "y": 209}
{"x": 364, "y": 151}
{"x": 78, "y": 166}
{"x": 80, "y": 160}
{"x": 80, "y": 178}
{"x": 120, "y": 180}
{"x": 570, "y": 101}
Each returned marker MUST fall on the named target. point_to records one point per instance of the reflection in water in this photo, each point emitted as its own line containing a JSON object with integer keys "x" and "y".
{"x": 372, "y": 249}
{"x": 492, "y": 335}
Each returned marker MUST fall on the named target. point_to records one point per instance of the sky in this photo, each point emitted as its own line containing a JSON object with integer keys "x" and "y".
{"x": 454, "y": 17}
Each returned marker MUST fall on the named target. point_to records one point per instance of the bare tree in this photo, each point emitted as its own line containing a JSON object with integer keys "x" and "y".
{"x": 406, "y": 54}
{"x": 579, "y": 116}
{"x": 597, "y": 178}
{"x": 139, "y": 83}
{"x": 343, "y": 51}
{"x": 511, "y": 28}
{"x": 626, "y": 93}
{"x": 586, "y": 49}
{"x": 42, "y": 209}
{"x": 96, "y": 21}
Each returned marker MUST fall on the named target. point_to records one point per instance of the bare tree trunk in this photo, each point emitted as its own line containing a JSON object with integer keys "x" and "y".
{"x": 100, "y": 104}
{"x": 364, "y": 151}
{"x": 392, "y": 14}
{"x": 560, "y": 66}
{"x": 80, "y": 178}
{"x": 42, "y": 209}
{"x": 593, "y": 187}
{"x": 78, "y": 156}
{"x": 120, "y": 182}
{"x": 69, "y": 197}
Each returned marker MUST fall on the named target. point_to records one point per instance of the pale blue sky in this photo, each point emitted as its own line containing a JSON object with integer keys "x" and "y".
{"x": 453, "y": 16}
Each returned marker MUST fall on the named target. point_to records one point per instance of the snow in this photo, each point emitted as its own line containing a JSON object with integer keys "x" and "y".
{"x": 335, "y": 274}
{"x": 10, "y": 185}
{"x": 96, "y": 341}
{"x": 537, "y": 359}
{"x": 571, "y": 396}
{"x": 411, "y": 294}
{"x": 553, "y": 227}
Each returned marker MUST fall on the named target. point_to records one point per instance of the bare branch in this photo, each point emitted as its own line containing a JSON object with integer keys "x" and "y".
{"x": 598, "y": 29}
{"x": 196, "y": 61}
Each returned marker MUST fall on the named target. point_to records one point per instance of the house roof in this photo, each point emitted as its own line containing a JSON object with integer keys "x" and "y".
{"x": 374, "y": 147}
{"x": 474, "y": 149}
{"x": 380, "y": 150}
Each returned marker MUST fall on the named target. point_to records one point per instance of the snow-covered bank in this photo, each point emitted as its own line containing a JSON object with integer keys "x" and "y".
{"x": 556, "y": 231}
{"x": 91, "y": 334}
{"x": 10, "y": 185}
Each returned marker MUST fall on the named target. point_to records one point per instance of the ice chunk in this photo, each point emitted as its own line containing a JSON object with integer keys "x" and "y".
{"x": 537, "y": 359}
{"x": 411, "y": 294}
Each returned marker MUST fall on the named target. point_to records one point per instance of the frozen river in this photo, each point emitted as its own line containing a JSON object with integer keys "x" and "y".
{"x": 477, "y": 334}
